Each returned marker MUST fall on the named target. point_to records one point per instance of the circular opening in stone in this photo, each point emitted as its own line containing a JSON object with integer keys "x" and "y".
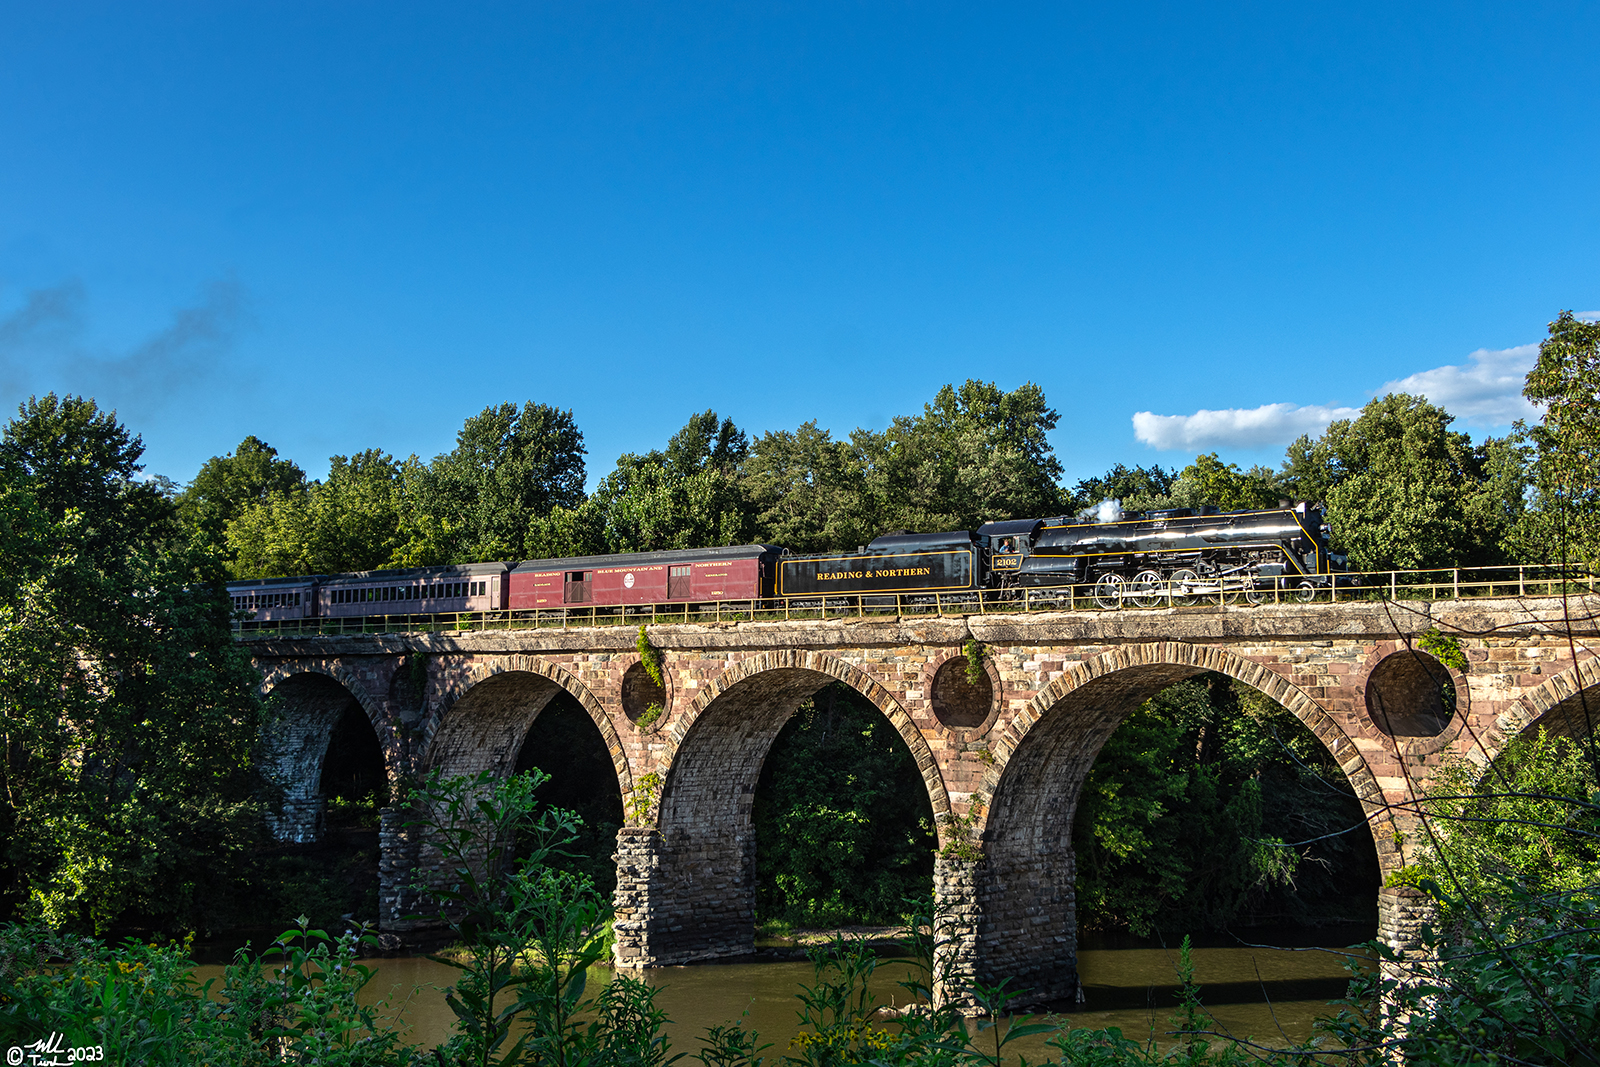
{"x": 1410, "y": 694}
{"x": 958, "y": 703}
{"x": 643, "y": 701}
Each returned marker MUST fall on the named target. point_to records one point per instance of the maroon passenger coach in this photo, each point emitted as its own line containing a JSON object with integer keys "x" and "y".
{"x": 691, "y": 575}
{"x": 425, "y": 591}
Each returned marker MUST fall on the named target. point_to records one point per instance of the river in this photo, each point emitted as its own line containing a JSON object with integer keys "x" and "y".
{"x": 1270, "y": 994}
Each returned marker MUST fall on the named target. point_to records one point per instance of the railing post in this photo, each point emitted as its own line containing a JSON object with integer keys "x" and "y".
{"x": 1455, "y": 583}
{"x": 1522, "y": 589}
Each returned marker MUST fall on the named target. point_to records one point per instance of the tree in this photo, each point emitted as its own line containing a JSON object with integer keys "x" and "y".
{"x": 356, "y": 519}
{"x": 1402, "y": 489}
{"x": 688, "y": 496}
{"x": 1135, "y": 488}
{"x": 1185, "y": 820}
{"x": 975, "y": 454}
{"x": 843, "y": 819}
{"x": 808, "y": 491}
{"x": 128, "y": 715}
{"x": 226, "y": 485}
{"x": 1560, "y": 526}
{"x": 1209, "y": 481}
{"x": 507, "y": 469}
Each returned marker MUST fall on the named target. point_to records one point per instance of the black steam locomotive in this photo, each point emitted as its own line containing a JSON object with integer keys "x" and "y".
{"x": 1179, "y": 555}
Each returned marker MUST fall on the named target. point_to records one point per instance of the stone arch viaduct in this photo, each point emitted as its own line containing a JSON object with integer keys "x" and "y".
{"x": 1002, "y": 761}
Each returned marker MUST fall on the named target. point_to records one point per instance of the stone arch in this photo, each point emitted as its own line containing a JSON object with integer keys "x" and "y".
{"x": 485, "y": 715}
{"x": 1567, "y": 704}
{"x": 834, "y": 670}
{"x": 696, "y": 864}
{"x": 312, "y": 697}
{"x": 1025, "y": 886}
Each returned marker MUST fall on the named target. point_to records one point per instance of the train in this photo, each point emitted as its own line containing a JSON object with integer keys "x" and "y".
{"x": 1176, "y": 555}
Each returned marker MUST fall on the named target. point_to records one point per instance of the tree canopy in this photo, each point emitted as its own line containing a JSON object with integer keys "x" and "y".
{"x": 128, "y": 715}
{"x": 1566, "y": 445}
{"x": 226, "y": 485}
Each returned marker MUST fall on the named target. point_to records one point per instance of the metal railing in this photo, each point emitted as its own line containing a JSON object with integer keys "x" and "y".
{"x": 1452, "y": 583}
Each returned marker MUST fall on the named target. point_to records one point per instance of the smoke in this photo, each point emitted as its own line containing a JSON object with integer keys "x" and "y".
{"x": 1108, "y": 511}
{"x": 43, "y": 349}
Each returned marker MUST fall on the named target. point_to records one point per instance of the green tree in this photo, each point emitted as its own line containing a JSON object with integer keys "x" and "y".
{"x": 128, "y": 715}
{"x": 1565, "y": 381}
{"x": 356, "y": 519}
{"x": 1402, "y": 489}
{"x": 1136, "y": 488}
{"x": 508, "y": 468}
{"x": 226, "y": 485}
{"x": 808, "y": 491}
{"x": 1208, "y": 480}
{"x": 842, "y": 817}
{"x": 688, "y": 496}
{"x": 975, "y": 454}
{"x": 1195, "y": 811}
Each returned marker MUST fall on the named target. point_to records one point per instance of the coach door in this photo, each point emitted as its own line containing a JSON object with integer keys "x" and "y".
{"x": 575, "y": 589}
{"x": 677, "y": 583}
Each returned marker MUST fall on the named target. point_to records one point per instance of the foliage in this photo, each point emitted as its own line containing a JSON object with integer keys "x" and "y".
{"x": 354, "y": 520}
{"x": 973, "y": 650}
{"x": 128, "y": 715}
{"x": 808, "y": 491}
{"x": 1402, "y": 490}
{"x": 1566, "y": 467}
{"x": 226, "y": 485}
{"x": 507, "y": 469}
{"x": 642, "y": 801}
{"x": 961, "y": 835}
{"x": 1507, "y": 972}
{"x": 1442, "y": 647}
{"x": 975, "y": 453}
{"x": 297, "y": 1003}
{"x": 531, "y": 932}
{"x": 650, "y": 657}
{"x": 688, "y": 496}
{"x": 1532, "y": 822}
{"x": 649, "y": 716}
{"x": 1209, "y": 481}
{"x": 564, "y": 744}
{"x": 1136, "y": 488}
{"x": 1192, "y": 815}
{"x": 842, "y": 817}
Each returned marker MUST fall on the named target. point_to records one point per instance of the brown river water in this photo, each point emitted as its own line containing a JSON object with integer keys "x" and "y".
{"x": 1272, "y": 995}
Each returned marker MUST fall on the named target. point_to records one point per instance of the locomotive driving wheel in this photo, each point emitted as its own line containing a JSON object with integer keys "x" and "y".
{"x": 1108, "y": 591}
{"x": 1146, "y": 589}
{"x": 1305, "y": 592}
{"x": 1183, "y": 582}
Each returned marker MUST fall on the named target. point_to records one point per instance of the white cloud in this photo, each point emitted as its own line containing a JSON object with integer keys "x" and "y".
{"x": 1269, "y": 424}
{"x": 1485, "y": 392}
{"x": 1587, "y": 316}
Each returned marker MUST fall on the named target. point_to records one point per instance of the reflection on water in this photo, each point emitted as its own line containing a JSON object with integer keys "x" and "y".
{"x": 1272, "y": 994}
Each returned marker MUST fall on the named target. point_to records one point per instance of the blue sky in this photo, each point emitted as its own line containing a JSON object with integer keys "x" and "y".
{"x": 339, "y": 226}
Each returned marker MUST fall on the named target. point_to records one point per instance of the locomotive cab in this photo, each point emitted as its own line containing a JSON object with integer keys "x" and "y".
{"x": 1006, "y": 545}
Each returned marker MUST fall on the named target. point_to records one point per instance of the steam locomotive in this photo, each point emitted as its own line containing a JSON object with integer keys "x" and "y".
{"x": 1177, "y": 555}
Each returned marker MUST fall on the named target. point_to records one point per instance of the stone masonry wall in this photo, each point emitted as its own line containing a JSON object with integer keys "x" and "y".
{"x": 1060, "y": 683}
